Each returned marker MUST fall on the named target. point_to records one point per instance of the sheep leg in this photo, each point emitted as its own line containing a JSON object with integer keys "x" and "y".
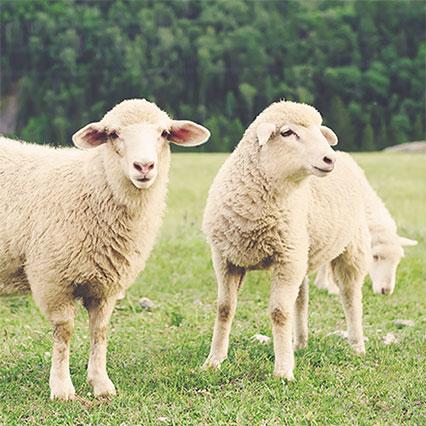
{"x": 351, "y": 298}
{"x": 281, "y": 306}
{"x": 325, "y": 280}
{"x": 229, "y": 280}
{"x": 61, "y": 386}
{"x": 58, "y": 307}
{"x": 321, "y": 280}
{"x": 100, "y": 311}
{"x": 350, "y": 276}
{"x": 301, "y": 316}
{"x": 331, "y": 284}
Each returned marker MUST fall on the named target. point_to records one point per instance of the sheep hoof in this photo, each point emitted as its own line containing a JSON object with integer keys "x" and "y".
{"x": 62, "y": 391}
{"x": 302, "y": 344}
{"x": 284, "y": 374}
{"x": 103, "y": 387}
{"x": 359, "y": 348}
{"x": 213, "y": 362}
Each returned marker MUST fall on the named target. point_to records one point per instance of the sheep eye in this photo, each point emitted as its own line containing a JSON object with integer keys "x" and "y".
{"x": 376, "y": 257}
{"x": 287, "y": 133}
{"x": 165, "y": 134}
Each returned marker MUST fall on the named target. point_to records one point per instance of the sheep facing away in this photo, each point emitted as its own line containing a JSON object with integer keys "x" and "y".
{"x": 387, "y": 247}
{"x": 277, "y": 203}
{"x": 80, "y": 224}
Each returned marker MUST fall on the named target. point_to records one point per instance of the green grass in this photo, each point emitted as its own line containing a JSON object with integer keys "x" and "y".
{"x": 155, "y": 357}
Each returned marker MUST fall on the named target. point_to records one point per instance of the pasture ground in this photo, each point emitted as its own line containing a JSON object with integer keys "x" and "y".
{"x": 154, "y": 357}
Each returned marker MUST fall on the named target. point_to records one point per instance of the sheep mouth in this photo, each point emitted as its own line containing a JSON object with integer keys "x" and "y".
{"x": 144, "y": 179}
{"x": 323, "y": 170}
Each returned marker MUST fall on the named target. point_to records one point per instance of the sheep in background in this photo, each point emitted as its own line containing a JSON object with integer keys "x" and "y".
{"x": 277, "y": 203}
{"x": 80, "y": 224}
{"x": 386, "y": 245}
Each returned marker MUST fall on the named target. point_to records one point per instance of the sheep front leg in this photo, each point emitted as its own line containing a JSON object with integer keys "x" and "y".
{"x": 301, "y": 316}
{"x": 281, "y": 305}
{"x": 99, "y": 315}
{"x": 61, "y": 386}
{"x": 229, "y": 280}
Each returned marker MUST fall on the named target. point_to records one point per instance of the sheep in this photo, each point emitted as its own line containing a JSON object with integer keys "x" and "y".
{"x": 281, "y": 202}
{"x": 386, "y": 245}
{"x": 80, "y": 224}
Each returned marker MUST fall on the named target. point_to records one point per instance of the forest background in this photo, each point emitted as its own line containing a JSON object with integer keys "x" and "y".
{"x": 361, "y": 63}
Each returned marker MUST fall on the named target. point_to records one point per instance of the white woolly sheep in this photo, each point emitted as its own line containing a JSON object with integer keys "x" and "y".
{"x": 277, "y": 203}
{"x": 386, "y": 245}
{"x": 80, "y": 224}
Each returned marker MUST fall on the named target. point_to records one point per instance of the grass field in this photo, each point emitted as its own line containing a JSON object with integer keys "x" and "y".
{"x": 154, "y": 357}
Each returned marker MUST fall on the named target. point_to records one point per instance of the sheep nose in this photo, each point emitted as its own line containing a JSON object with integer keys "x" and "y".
{"x": 143, "y": 168}
{"x": 385, "y": 290}
{"x": 328, "y": 160}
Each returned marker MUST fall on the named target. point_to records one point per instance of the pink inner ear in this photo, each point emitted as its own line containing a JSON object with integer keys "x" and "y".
{"x": 94, "y": 137}
{"x": 180, "y": 134}
{"x": 97, "y": 137}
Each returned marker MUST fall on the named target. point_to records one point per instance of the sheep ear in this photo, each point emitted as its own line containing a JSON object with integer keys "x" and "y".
{"x": 329, "y": 135}
{"x": 187, "y": 133}
{"x": 407, "y": 242}
{"x": 264, "y": 131}
{"x": 93, "y": 135}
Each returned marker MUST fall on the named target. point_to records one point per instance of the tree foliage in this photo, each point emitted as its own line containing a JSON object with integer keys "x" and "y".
{"x": 362, "y": 63}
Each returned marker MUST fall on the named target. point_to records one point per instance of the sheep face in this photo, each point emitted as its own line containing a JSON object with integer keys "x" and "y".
{"x": 296, "y": 151}
{"x": 138, "y": 146}
{"x": 386, "y": 258}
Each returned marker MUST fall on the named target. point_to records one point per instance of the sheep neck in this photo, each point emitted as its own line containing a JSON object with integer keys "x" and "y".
{"x": 267, "y": 192}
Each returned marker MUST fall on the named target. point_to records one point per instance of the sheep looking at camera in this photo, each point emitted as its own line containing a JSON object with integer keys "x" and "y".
{"x": 80, "y": 224}
{"x": 277, "y": 203}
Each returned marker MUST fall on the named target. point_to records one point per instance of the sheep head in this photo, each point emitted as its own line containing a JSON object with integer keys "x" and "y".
{"x": 387, "y": 255}
{"x": 293, "y": 142}
{"x": 137, "y": 131}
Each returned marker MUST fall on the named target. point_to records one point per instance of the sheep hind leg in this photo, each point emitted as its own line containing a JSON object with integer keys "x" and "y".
{"x": 321, "y": 279}
{"x": 325, "y": 280}
{"x": 99, "y": 315}
{"x": 229, "y": 280}
{"x": 301, "y": 316}
{"x": 350, "y": 279}
{"x": 332, "y": 285}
